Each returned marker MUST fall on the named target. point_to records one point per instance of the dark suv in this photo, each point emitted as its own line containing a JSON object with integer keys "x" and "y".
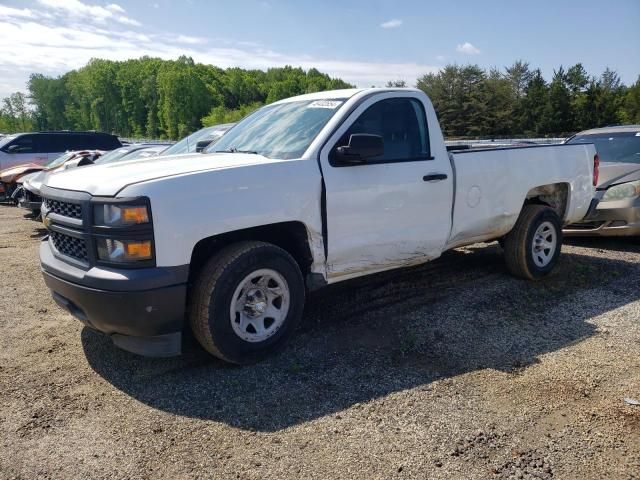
{"x": 41, "y": 147}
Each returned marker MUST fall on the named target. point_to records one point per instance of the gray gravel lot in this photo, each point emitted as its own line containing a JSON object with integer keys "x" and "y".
{"x": 452, "y": 370}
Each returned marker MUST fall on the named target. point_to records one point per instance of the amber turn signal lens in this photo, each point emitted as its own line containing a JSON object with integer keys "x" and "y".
{"x": 124, "y": 251}
{"x": 134, "y": 215}
{"x": 138, "y": 250}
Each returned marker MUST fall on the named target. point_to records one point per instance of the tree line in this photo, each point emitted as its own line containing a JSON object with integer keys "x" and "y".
{"x": 151, "y": 97}
{"x": 518, "y": 101}
{"x": 155, "y": 98}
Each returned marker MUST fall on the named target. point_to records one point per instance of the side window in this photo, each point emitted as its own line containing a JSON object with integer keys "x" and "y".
{"x": 79, "y": 141}
{"x": 58, "y": 142}
{"x": 401, "y": 122}
{"x": 107, "y": 142}
{"x": 22, "y": 144}
{"x": 45, "y": 143}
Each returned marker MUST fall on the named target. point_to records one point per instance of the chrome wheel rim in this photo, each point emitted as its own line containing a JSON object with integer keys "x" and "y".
{"x": 259, "y": 305}
{"x": 545, "y": 242}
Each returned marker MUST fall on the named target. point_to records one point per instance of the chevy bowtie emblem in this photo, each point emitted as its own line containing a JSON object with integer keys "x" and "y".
{"x": 46, "y": 221}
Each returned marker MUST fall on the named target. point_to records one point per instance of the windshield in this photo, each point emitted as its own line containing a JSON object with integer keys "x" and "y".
{"x": 282, "y": 131}
{"x": 115, "y": 155}
{"x": 613, "y": 147}
{"x": 59, "y": 160}
{"x": 142, "y": 153}
{"x": 7, "y": 139}
{"x": 188, "y": 144}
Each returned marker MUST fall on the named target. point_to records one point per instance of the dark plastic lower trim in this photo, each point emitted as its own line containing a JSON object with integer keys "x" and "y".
{"x": 169, "y": 345}
{"x": 144, "y": 313}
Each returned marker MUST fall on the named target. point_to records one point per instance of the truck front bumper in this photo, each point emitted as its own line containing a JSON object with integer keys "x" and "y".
{"x": 141, "y": 309}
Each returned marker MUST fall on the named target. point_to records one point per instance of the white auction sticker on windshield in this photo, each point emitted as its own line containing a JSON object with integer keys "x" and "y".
{"x": 332, "y": 104}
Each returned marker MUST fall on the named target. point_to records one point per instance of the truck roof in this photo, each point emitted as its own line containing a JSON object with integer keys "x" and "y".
{"x": 343, "y": 94}
{"x": 612, "y": 129}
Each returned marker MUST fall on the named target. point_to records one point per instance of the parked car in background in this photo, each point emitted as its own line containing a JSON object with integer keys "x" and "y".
{"x": 31, "y": 150}
{"x": 146, "y": 152}
{"x": 27, "y": 193}
{"x": 123, "y": 153}
{"x": 198, "y": 141}
{"x": 618, "y": 191}
{"x": 305, "y": 192}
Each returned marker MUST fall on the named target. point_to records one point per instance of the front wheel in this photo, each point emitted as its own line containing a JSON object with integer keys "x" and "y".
{"x": 246, "y": 301}
{"x": 532, "y": 248}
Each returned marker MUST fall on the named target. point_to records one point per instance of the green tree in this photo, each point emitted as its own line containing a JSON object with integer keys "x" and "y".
{"x": 457, "y": 95}
{"x": 183, "y": 98}
{"x": 534, "y": 103}
{"x": 630, "y": 111}
{"x": 396, "y": 84}
{"x": 15, "y": 115}
{"x": 558, "y": 117}
{"x": 48, "y": 96}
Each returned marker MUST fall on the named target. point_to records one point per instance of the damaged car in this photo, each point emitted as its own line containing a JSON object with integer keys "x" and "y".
{"x": 618, "y": 191}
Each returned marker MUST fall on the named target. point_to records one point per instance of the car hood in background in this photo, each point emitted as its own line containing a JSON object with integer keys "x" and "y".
{"x": 27, "y": 177}
{"x": 614, "y": 173}
{"x": 8, "y": 175}
{"x": 110, "y": 178}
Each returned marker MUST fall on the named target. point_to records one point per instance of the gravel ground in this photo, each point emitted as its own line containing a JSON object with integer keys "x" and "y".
{"x": 452, "y": 370}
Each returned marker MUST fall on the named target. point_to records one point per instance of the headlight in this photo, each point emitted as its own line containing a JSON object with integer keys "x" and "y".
{"x": 622, "y": 191}
{"x": 120, "y": 215}
{"x": 124, "y": 251}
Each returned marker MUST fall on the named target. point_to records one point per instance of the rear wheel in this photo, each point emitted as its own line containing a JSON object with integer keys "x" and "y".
{"x": 246, "y": 301}
{"x": 532, "y": 248}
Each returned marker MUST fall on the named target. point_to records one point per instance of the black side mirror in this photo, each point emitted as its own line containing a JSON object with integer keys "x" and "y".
{"x": 85, "y": 161}
{"x": 361, "y": 147}
{"x": 202, "y": 144}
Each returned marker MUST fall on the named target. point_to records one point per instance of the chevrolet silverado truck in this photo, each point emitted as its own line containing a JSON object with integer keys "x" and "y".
{"x": 302, "y": 193}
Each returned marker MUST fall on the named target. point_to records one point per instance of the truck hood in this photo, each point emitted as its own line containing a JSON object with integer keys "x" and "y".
{"x": 33, "y": 181}
{"x": 109, "y": 179}
{"x": 612, "y": 173}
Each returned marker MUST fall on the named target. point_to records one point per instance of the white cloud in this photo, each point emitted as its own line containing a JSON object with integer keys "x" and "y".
{"x": 190, "y": 40}
{"x": 467, "y": 49}
{"x": 77, "y": 9}
{"x": 441, "y": 58}
{"x": 114, "y": 7}
{"x": 127, "y": 21}
{"x": 15, "y": 12}
{"x": 55, "y": 41}
{"x": 395, "y": 23}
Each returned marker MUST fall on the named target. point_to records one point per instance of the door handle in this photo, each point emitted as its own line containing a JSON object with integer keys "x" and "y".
{"x": 434, "y": 177}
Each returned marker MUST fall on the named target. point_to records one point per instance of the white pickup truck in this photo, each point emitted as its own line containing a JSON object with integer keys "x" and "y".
{"x": 304, "y": 192}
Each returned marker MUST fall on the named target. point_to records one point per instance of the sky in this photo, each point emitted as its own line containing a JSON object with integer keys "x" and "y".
{"x": 364, "y": 42}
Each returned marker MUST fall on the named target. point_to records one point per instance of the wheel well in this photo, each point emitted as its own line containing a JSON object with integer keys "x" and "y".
{"x": 555, "y": 195}
{"x": 290, "y": 236}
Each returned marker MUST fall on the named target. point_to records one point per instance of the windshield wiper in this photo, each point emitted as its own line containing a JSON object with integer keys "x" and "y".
{"x": 235, "y": 150}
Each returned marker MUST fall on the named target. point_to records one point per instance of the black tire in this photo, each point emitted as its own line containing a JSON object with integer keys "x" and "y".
{"x": 211, "y": 296}
{"x": 518, "y": 243}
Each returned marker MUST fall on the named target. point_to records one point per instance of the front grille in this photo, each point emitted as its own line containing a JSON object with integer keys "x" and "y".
{"x": 66, "y": 209}
{"x": 31, "y": 197}
{"x": 70, "y": 246}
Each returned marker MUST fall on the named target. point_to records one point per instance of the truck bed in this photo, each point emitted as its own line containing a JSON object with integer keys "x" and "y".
{"x": 487, "y": 204}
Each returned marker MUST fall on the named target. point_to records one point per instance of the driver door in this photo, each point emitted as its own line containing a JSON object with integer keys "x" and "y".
{"x": 384, "y": 213}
